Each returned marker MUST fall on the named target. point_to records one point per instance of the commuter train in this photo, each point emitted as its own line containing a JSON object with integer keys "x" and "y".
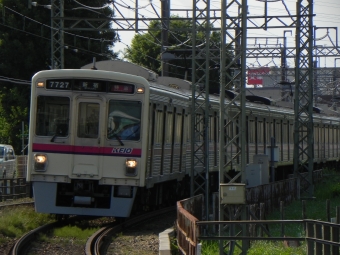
{"x": 113, "y": 138}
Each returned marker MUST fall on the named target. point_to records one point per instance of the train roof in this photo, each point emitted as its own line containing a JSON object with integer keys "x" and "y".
{"x": 133, "y": 69}
{"x": 123, "y": 67}
{"x": 175, "y": 83}
{"x": 180, "y": 86}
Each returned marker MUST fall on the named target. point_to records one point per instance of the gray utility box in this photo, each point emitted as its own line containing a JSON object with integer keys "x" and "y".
{"x": 253, "y": 175}
{"x": 233, "y": 193}
{"x": 263, "y": 161}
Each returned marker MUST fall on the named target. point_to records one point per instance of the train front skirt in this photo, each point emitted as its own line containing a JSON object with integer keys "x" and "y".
{"x": 47, "y": 195}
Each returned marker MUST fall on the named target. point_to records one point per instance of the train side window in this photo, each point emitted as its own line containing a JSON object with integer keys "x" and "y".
{"x": 178, "y": 131}
{"x": 251, "y": 129}
{"x": 260, "y": 132}
{"x": 51, "y": 112}
{"x": 211, "y": 128}
{"x": 159, "y": 127}
{"x": 169, "y": 127}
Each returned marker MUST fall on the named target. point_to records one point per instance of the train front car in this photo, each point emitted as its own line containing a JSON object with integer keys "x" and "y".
{"x": 86, "y": 148}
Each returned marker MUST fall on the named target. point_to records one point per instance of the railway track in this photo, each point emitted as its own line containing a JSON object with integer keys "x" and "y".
{"x": 22, "y": 243}
{"x": 16, "y": 204}
{"x": 97, "y": 243}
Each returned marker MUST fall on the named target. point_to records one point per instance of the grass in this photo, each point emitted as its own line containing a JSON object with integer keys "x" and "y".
{"x": 74, "y": 233}
{"x": 18, "y": 220}
{"x": 328, "y": 188}
{"x": 273, "y": 248}
{"x": 15, "y": 222}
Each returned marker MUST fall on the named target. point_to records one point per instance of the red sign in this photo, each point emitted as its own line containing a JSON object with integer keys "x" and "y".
{"x": 255, "y": 76}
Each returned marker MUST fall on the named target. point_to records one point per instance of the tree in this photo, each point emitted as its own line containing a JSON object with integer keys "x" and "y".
{"x": 145, "y": 49}
{"x": 25, "y": 48}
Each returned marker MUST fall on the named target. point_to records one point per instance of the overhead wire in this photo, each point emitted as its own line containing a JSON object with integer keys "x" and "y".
{"x": 16, "y": 81}
{"x": 67, "y": 46}
{"x": 182, "y": 42}
{"x": 65, "y": 32}
{"x": 91, "y": 7}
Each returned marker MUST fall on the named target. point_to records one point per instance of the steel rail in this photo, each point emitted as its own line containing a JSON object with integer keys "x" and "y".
{"x": 98, "y": 242}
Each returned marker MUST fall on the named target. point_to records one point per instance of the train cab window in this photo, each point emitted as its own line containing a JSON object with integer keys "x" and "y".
{"x": 52, "y": 116}
{"x": 124, "y": 119}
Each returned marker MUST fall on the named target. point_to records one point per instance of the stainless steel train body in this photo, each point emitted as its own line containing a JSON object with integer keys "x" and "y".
{"x": 83, "y": 161}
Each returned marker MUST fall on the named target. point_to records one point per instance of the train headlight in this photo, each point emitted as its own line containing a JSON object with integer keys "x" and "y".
{"x": 140, "y": 90}
{"x": 40, "y": 84}
{"x": 40, "y": 162}
{"x": 131, "y": 167}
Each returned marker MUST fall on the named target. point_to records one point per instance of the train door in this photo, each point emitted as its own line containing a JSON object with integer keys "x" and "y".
{"x": 87, "y": 150}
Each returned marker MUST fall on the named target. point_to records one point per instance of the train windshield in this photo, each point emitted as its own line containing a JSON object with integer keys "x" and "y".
{"x": 52, "y": 116}
{"x": 124, "y": 120}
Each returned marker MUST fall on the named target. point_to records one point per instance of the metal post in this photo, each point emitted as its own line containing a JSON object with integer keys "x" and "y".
{"x": 22, "y": 138}
{"x": 165, "y": 27}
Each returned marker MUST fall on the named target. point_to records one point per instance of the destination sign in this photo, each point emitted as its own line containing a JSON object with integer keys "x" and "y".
{"x": 90, "y": 85}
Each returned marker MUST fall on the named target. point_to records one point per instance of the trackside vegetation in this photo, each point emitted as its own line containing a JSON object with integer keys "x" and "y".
{"x": 327, "y": 189}
{"x": 16, "y": 221}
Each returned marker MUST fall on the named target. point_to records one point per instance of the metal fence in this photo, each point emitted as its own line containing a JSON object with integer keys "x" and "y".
{"x": 13, "y": 188}
{"x": 320, "y": 237}
{"x": 21, "y": 166}
{"x": 13, "y": 185}
{"x": 260, "y": 201}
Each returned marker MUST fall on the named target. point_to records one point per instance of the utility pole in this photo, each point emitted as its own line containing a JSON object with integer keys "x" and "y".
{"x": 165, "y": 30}
{"x": 57, "y": 34}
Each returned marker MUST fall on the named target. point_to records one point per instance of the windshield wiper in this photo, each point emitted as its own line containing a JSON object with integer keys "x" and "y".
{"x": 118, "y": 139}
{"x": 53, "y": 137}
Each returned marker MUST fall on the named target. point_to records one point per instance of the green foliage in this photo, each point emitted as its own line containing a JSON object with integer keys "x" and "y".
{"x": 74, "y": 232}
{"x": 335, "y": 190}
{"x": 174, "y": 246}
{"x": 275, "y": 248}
{"x": 330, "y": 176}
{"x": 210, "y": 248}
{"x": 14, "y": 222}
{"x": 315, "y": 209}
{"x": 146, "y": 50}
{"x": 25, "y": 48}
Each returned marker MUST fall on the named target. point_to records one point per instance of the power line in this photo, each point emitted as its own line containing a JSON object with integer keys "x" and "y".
{"x": 66, "y": 46}
{"x": 16, "y": 81}
{"x": 65, "y": 32}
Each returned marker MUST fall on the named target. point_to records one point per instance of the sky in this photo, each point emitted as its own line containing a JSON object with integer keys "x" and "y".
{"x": 326, "y": 11}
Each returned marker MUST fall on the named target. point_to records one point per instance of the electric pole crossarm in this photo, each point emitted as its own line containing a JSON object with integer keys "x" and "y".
{"x": 91, "y": 23}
